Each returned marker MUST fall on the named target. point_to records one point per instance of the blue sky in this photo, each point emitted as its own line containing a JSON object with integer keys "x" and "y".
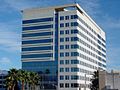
{"x": 106, "y": 14}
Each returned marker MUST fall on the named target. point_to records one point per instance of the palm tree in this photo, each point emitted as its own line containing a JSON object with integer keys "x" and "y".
{"x": 12, "y": 79}
{"x": 8, "y": 83}
{"x": 23, "y": 77}
{"x": 95, "y": 81}
{"x": 34, "y": 79}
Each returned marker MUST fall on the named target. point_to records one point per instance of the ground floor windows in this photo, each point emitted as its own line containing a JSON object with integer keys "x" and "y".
{"x": 61, "y": 85}
{"x": 73, "y": 85}
{"x": 66, "y": 85}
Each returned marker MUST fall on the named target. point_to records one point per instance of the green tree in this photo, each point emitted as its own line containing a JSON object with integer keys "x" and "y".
{"x": 95, "y": 81}
{"x": 12, "y": 79}
{"x": 34, "y": 79}
{"x": 23, "y": 78}
{"x": 9, "y": 83}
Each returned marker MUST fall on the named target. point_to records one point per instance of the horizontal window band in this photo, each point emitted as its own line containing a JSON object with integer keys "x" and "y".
{"x": 37, "y": 48}
{"x": 37, "y": 55}
{"x": 37, "y": 20}
{"x": 37, "y": 45}
{"x": 38, "y": 27}
{"x": 36, "y": 59}
{"x": 36, "y": 24}
{"x": 37, "y": 31}
{"x": 37, "y": 41}
{"x": 37, "y": 34}
{"x": 37, "y": 38}
{"x": 37, "y": 52}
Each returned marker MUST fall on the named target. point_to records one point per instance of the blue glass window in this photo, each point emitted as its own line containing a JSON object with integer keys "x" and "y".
{"x": 66, "y": 69}
{"x": 61, "y": 46}
{"x": 74, "y": 16}
{"x": 37, "y": 55}
{"x": 62, "y": 25}
{"x": 66, "y": 17}
{"x": 74, "y": 39}
{"x": 61, "y": 85}
{"x": 74, "y": 24}
{"x": 61, "y": 17}
{"x": 61, "y": 54}
{"x": 74, "y": 69}
{"x": 66, "y": 46}
{"x": 61, "y": 61}
{"x": 61, "y": 39}
{"x": 37, "y": 20}
{"x": 37, "y": 48}
{"x": 74, "y": 31}
{"x": 66, "y": 61}
{"x": 67, "y": 54}
{"x": 66, "y": 85}
{"x": 74, "y": 77}
{"x": 61, "y": 69}
{"x": 37, "y": 34}
{"x": 99, "y": 41}
{"x": 37, "y": 27}
{"x": 67, "y": 32}
{"x": 61, "y": 77}
{"x": 66, "y": 24}
{"x": 66, "y": 77}
{"x": 61, "y": 32}
{"x": 74, "y": 61}
{"x": 37, "y": 41}
{"x": 74, "y": 46}
{"x": 74, "y": 54}
{"x": 67, "y": 39}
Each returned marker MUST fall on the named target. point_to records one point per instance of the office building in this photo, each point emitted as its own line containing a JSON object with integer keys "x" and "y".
{"x": 64, "y": 44}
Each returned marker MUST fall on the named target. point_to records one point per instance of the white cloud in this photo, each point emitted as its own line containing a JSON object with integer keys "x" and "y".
{"x": 5, "y": 60}
{"x": 9, "y": 40}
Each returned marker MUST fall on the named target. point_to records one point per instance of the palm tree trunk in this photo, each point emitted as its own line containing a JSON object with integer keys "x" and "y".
{"x": 22, "y": 85}
{"x": 34, "y": 87}
{"x": 8, "y": 88}
{"x": 29, "y": 87}
{"x": 13, "y": 87}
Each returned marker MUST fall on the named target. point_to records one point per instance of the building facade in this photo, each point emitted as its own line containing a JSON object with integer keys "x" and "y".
{"x": 63, "y": 44}
{"x": 109, "y": 80}
{"x": 3, "y": 74}
{"x": 113, "y": 80}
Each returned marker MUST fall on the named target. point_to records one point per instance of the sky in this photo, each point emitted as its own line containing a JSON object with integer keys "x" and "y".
{"x": 106, "y": 13}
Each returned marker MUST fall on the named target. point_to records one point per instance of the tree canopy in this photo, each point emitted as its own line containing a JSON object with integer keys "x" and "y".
{"x": 21, "y": 77}
{"x": 95, "y": 81}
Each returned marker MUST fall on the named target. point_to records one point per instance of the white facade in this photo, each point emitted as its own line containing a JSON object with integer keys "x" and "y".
{"x": 81, "y": 44}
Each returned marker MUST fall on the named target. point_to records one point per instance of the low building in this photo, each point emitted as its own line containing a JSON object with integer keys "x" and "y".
{"x": 113, "y": 80}
{"x": 3, "y": 74}
{"x": 109, "y": 80}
